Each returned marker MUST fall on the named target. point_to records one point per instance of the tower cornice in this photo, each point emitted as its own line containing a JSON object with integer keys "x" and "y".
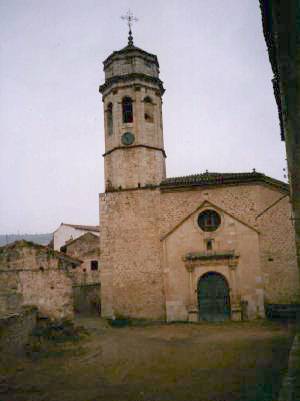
{"x": 131, "y": 77}
{"x": 135, "y": 146}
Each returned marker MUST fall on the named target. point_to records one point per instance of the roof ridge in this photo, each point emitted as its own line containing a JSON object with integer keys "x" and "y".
{"x": 83, "y": 226}
{"x": 222, "y": 178}
{"x": 78, "y": 238}
{"x": 218, "y": 173}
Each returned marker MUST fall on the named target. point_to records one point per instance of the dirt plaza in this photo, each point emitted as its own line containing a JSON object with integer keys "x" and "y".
{"x": 233, "y": 361}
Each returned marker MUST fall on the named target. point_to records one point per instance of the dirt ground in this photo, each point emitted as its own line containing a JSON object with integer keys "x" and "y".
{"x": 172, "y": 362}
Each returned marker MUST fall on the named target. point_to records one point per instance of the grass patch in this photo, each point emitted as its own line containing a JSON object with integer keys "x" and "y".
{"x": 50, "y": 339}
{"x": 124, "y": 321}
{"x": 58, "y": 331}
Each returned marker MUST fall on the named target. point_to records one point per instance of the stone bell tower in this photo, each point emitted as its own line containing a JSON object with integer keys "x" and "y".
{"x": 134, "y": 159}
{"x": 132, "y": 97}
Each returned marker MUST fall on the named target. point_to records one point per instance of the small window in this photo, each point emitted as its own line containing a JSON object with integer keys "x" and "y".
{"x": 110, "y": 119}
{"x": 127, "y": 110}
{"x": 209, "y": 220}
{"x": 149, "y": 109}
{"x": 94, "y": 265}
{"x": 209, "y": 245}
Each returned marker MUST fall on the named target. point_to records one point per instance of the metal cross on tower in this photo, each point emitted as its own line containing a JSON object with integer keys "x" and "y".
{"x": 130, "y": 19}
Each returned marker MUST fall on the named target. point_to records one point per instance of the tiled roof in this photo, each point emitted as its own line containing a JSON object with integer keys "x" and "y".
{"x": 213, "y": 179}
{"x": 80, "y": 227}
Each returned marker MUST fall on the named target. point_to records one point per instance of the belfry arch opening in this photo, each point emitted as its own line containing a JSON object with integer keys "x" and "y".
{"x": 148, "y": 109}
{"x": 213, "y": 297}
{"x": 127, "y": 110}
{"x": 109, "y": 112}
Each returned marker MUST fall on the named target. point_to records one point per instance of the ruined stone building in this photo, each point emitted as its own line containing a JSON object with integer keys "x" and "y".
{"x": 209, "y": 246}
{"x": 35, "y": 275}
{"x": 57, "y": 283}
{"x": 85, "y": 248}
{"x": 82, "y": 242}
{"x": 86, "y": 277}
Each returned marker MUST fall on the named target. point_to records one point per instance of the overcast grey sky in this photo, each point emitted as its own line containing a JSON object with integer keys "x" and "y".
{"x": 219, "y": 110}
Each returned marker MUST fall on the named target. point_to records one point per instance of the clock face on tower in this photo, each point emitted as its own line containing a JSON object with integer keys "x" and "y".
{"x": 127, "y": 138}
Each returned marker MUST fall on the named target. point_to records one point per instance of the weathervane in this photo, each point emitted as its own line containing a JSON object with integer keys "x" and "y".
{"x": 130, "y": 19}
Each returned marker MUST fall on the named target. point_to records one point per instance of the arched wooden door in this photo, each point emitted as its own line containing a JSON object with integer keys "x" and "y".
{"x": 213, "y": 298}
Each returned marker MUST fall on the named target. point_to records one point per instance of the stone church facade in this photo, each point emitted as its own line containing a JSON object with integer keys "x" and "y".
{"x": 211, "y": 246}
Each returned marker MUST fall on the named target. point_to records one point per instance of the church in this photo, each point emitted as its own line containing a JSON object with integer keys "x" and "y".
{"x": 212, "y": 246}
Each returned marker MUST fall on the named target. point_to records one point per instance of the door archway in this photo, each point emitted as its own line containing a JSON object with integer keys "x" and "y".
{"x": 213, "y": 298}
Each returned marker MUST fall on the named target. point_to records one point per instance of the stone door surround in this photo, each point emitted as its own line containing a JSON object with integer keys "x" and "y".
{"x": 199, "y": 263}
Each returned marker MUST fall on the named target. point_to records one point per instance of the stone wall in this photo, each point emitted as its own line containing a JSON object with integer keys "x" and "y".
{"x": 22, "y": 255}
{"x": 277, "y": 254}
{"x": 11, "y": 297}
{"x": 134, "y": 64}
{"x": 146, "y": 133}
{"x": 135, "y": 223}
{"x": 242, "y": 201}
{"x": 143, "y": 166}
{"x": 32, "y": 274}
{"x": 131, "y": 166}
{"x": 131, "y": 272}
{"x": 49, "y": 290}
{"x": 15, "y": 330}
{"x": 263, "y": 208}
{"x": 244, "y": 276}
